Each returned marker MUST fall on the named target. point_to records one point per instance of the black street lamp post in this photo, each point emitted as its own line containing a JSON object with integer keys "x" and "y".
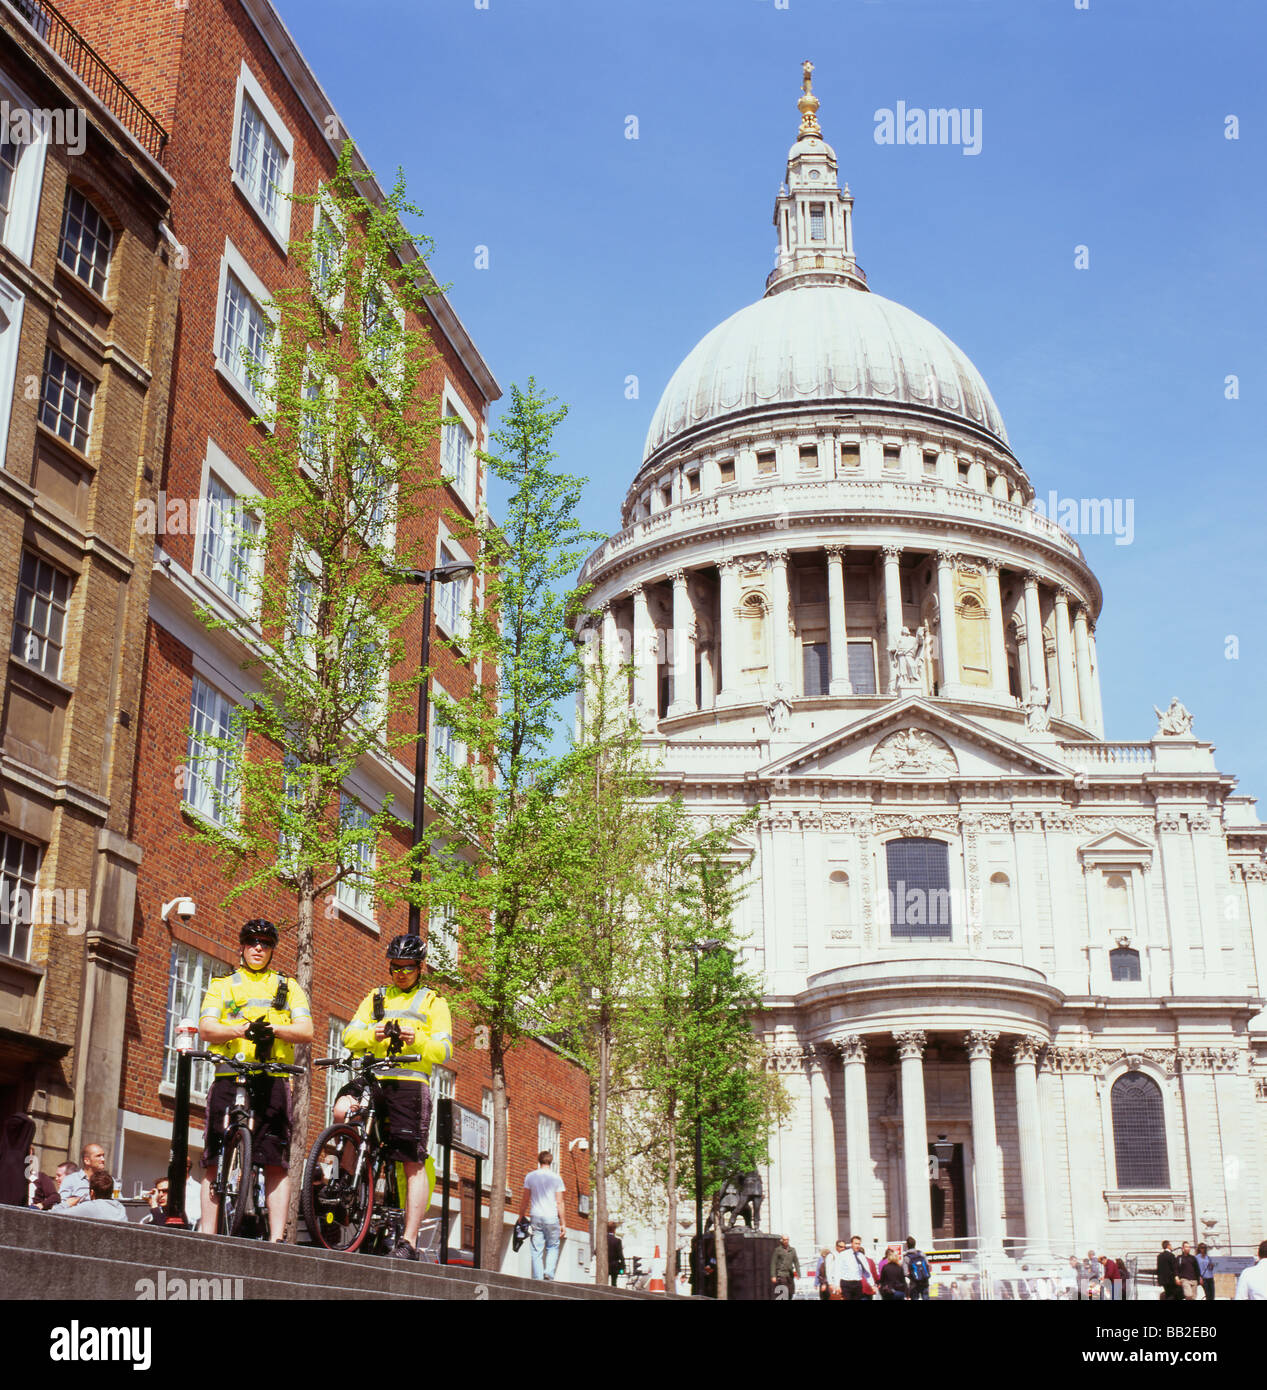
{"x": 442, "y": 574}
{"x": 698, "y": 948}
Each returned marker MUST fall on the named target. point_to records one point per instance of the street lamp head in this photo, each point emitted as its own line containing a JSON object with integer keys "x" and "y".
{"x": 442, "y": 574}
{"x": 706, "y": 946}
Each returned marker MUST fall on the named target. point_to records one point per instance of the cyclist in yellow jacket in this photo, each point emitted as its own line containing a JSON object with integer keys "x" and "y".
{"x": 259, "y": 1015}
{"x": 409, "y": 1018}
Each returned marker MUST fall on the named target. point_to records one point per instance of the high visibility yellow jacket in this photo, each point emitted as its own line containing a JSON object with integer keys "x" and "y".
{"x": 424, "y": 1011}
{"x": 250, "y": 994}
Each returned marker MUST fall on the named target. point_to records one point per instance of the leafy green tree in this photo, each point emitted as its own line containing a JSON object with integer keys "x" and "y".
{"x": 499, "y": 854}
{"x": 347, "y": 470}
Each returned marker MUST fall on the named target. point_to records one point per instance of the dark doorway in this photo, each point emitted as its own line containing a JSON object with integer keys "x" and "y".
{"x": 950, "y": 1209}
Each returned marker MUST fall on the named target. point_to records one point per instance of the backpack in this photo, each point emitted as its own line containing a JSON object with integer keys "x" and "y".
{"x": 919, "y": 1267}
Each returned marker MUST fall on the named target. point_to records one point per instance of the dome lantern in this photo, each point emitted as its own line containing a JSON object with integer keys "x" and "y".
{"x": 813, "y": 214}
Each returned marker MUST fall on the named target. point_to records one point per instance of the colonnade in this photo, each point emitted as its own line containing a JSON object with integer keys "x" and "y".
{"x": 708, "y": 600}
{"x": 985, "y": 1179}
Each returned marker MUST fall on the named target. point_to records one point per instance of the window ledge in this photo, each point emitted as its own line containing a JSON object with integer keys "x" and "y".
{"x": 202, "y": 821}
{"x": 357, "y": 917}
{"x": 261, "y": 216}
{"x": 250, "y": 400}
{"x": 98, "y": 301}
{"x": 64, "y": 446}
{"x": 225, "y": 605}
{"x": 27, "y": 669}
{"x": 168, "y": 1092}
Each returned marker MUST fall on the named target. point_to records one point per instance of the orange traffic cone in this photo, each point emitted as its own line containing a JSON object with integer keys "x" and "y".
{"x": 656, "y": 1282}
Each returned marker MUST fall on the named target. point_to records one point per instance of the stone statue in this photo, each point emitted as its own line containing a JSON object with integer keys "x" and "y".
{"x": 1175, "y": 722}
{"x": 1037, "y": 719}
{"x": 906, "y": 660}
{"x": 742, "y": 1195}
{"x": 779, "y": 713}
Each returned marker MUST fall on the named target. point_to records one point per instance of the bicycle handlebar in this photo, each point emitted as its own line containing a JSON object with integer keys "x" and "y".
{"x": 366, "y": 1062}
{"x": 244, "y": 1066}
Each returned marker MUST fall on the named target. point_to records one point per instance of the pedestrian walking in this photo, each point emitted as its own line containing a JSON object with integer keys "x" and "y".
{"x": 918, "y": 1274}
{"x": 784, "y": 1267}
{"x": 1205, "y": 1270}
{"x": 615, "y": 1254}
{"x": 1110, "y": 1285}
{"x": 1253, "y": 1281}
{"x": 822, "y": 1280}
{"x": 542, "y": 1203}
{"x": 859, "y": 1275}
{"x": 1167, "y": 1275}
{"x": 893, "y": 1274}
{"x": 1188, "y": 1271}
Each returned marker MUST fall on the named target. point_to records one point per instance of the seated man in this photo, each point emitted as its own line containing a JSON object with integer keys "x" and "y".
{"x": 99, "y": 1205}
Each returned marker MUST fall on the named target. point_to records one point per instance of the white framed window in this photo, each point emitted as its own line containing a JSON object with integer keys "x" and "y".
{"x": 262, "y": 159}
{"x": 453, "y": 596}
{"x": 12, "y": 302}
{"x": 86, "y": 242}
{"x": 301, "y": 604}
{"x": 442, "y": 1083}
{"x": 19, "y": 877}
{"x": 447, "y": 750}
{"x": 245, "y": 326}
{"x": 39, "y": 614}
{"x": 311, "y": 419}
{"x": 22, "y": 153}
{"x": 211, "y": 769}
{"x": 355, "y": 890}
{"x": 66, "y": 400}
{"x": 229, "y": 552}
{"x": 334, "y": 1048}
{"x": 188, "y": 975}
{"x": 287, "y": 838}
{"x": 364, "y": 669}
{"x": 549, "y": 1136}
{"x": 442, "y": 929}
{"x": 374, "y": 495}
{"x": 486, "y": 1109}
{"x": 457, "y": 454}
{"x": 327, "y": 251}
{"x": 383, "y": 329}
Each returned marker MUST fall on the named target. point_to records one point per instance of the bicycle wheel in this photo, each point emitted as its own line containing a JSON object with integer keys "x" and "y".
{"x": 337, "y": 1208}
{"x": 233, "y": 1181}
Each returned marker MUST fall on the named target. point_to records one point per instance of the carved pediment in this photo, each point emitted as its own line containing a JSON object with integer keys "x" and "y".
{"x": 914, "y": 738}
{"x": 1117, "y": 846}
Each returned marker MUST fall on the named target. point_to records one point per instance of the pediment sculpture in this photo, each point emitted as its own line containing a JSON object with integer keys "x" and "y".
{"x": 1175, "y": 722}
{"x": 914, "y": 752}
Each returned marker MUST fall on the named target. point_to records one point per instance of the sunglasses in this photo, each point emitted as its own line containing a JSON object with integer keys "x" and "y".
{"x": 258, "y": 941}
{"x": 402, "y": 967}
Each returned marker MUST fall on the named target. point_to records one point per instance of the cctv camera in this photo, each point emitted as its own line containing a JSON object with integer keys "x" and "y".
{"x": 185, "y": 908}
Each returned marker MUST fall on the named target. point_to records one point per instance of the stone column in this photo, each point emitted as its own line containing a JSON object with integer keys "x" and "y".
{"x": 892, "y": 609}
{"x": 948, "y": 635}
{"x": 1064, "y": 656}
{"x": 707, "y": 672}
{"x": 780, "y": 622}
{"x": 1029, "y": 1126}
{"x": 985, "y": 1162}
{"x": 1034, "y": 639}
{"x": 1096, "y": 696}
{"x": 823, "y": 1139}
{"x": 1056, "y": 1149}
{"x": 838, "y": 635}
{"x": 645, "y": 695}
{"x": 683, "y": 695}
{"x": 998, "y": 645}
{"x": 611, "y": 641}
{"x": 728, "y": 630}
{"x": 919, "y": 1208}
{"x": 853, "y": 1051}
{"x": 1082, "y": 659}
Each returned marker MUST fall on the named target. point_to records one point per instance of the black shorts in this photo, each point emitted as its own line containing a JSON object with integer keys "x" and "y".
{"x": 270, "y": 1102}
{"x": 405, "y": 1110}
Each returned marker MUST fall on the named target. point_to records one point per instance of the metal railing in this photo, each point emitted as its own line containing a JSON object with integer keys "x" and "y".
{"x": 48, "y": 23}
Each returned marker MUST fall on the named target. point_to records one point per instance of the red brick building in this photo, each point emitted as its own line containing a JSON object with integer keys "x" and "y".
{"x": 247, "y": 117}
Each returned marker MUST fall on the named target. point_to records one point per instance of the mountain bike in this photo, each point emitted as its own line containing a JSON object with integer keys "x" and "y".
{"x": 238, "y": 1181}
{"x": 353, "y": 1194}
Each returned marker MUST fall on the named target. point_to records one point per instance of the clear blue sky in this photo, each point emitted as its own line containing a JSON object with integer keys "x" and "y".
{"x": 1102, "y": 127}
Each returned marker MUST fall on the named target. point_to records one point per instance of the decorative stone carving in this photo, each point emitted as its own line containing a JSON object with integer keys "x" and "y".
{"x": 1171, "y": 823}
{"x": 1125, "y": 1205}
{"x": 1054, "y": 820}
{"x": 913, "y": 753}
{"x": 980, "y": 1042}
{"x": 911, "y": 826}
{"x": 1141, "y": 826}
{"x": 752, "y": 566}
{"x": 906, "y": 661}
{"x": 1024, "y": 820}
{"x": 1025, "y": 1050}
{"x": 910, "y": 1044}
{"x": 1037, "y": 719}
{"x": 1176, "y": 722}
{"x": 1199, "y": 823}
{"x": 834, "y": 551}
{"x": 852, "y": 1048}
{"x": 1209, "y": 1058}
{"x": 776, "y": 557}
{"x": 892, "y": 552}
{"x": 779, "y": 713}
{"x": 788, "y": 1057}
{"x": 1260, "y": 1088}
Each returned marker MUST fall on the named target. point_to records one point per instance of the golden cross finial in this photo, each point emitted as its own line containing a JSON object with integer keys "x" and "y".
{"x": 808, "y": 104}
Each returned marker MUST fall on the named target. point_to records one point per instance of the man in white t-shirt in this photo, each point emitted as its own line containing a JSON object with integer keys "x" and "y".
{"x": 542, "y": 1204}
{"x": 1253, "y": 1281}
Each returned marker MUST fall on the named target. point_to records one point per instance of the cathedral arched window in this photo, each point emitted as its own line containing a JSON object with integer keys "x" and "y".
{"x": 752, "y": 616}
{"x": 1124, "y": 964}
{"x": 1117, "y": 905}
{"x": 1139, "y": 1132}
{"x": 919, "y": 889}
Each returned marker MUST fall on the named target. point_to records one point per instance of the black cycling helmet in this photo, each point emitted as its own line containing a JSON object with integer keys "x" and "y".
{"x": 258, "y": 927}
{"x": 410, "y": 948}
